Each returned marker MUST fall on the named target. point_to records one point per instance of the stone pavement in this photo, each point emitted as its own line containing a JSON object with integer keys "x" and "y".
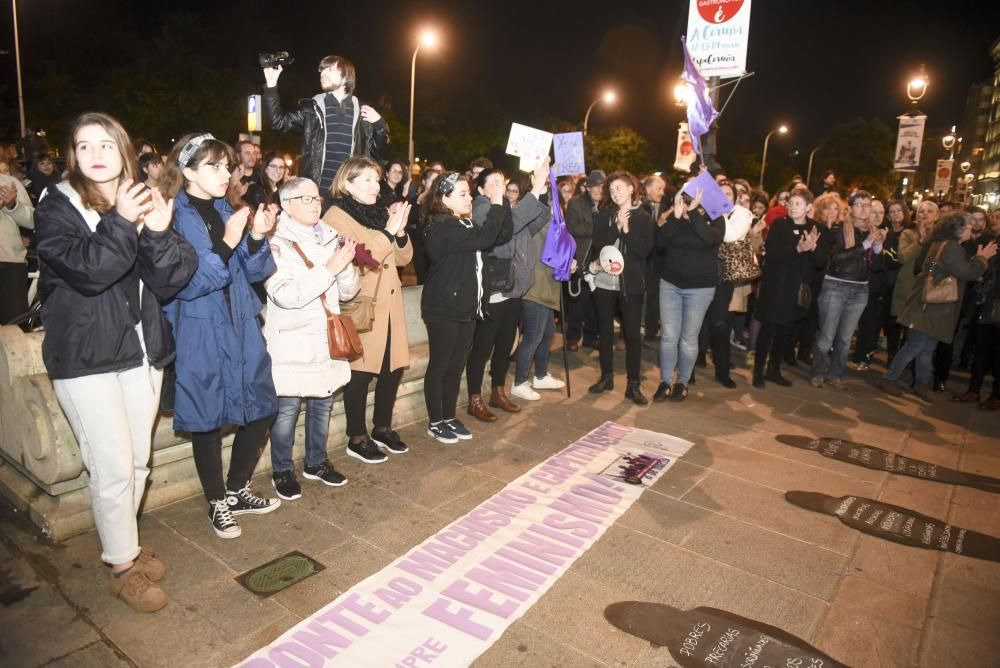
{"x": 714, "y": 531}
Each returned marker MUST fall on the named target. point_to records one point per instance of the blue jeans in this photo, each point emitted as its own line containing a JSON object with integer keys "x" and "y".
{"x": 682, "y": 312}
{"x": 283, "y": 431}
{"x": 840, "y": 307}
{"x": 536, "y": 340}
{"x": 918, "y": 347}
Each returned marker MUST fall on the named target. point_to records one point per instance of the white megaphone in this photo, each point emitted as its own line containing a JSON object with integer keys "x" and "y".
{"x": 612, "y": 261}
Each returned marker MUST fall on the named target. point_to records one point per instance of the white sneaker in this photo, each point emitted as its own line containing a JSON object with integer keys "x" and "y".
{"x": 547, "y": 383}
{"x": 524, "y": 391}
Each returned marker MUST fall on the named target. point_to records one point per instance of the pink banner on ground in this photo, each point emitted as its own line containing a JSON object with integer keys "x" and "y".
{"x": 449, "y": 599}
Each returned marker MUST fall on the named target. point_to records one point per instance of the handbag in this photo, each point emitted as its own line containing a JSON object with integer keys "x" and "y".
{"x": 498, "y": 274}
{"x": 944, "y": 291}
{"x": 341, "y": 335}
{"x": 741, "y": 262}
{"x": 361, "y": 309}
{"x": 805, "y": 297}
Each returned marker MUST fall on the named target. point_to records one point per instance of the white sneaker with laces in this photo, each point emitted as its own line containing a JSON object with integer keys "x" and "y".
{"x": 547, "y": 383}
{"x": 524, "y": 391}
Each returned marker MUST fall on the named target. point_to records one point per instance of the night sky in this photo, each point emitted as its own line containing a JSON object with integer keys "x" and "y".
{"x": 817, "y": 64}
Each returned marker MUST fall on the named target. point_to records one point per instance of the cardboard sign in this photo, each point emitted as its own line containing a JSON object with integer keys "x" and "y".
{"x": 531, "y": 145}
{"x": 713, "y": 200}
{"x": 569, "y": 154}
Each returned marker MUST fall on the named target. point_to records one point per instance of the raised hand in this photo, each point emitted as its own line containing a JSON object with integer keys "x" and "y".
{"x": 132, "y": 200}
{"x": 235, "y": 227}
{"x": 396, "y": 225}
{"x": 987, "y": 251}
{"x": 161, "y": 211}
{"x": 271, "y": 75}
{"x": 264, "y": 218}
{"x": 341, "y": 259}
{"x": 623, "y": 217}
{"x": 696, "y": 200}
{"x": 680, "y": 208}
{"x": 369, "y": 114}
{"x": 540, "y": 177}
{"x": 494, "y": 190}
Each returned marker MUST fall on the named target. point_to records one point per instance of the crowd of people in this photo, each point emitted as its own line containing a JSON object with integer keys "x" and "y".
{"x": 203, "y": 282}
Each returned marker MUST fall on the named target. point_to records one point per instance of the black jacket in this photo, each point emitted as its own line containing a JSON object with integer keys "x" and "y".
{"x": 692, "y": 250}
{"x": 370, "y": 139}
{"x": 451, "y": 291}
{"x": 785, "y": 269}
{"x": 580, "y": 224}
{"x": 854, "y": 263}
{"x": 636, "y": 245}
{"x": 89, "y": 323}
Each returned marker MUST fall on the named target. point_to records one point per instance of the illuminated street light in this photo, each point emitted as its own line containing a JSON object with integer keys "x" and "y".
{"x": 427, "y": 38}
{"x": 763, "y": 161}
{"x": 682, "y": 93}
{"x": 608, "y": 97}
{"x": 917, "y": 86}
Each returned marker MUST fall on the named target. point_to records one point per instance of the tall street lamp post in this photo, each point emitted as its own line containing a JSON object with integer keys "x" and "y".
{"x": 429, "y": 39}
{"x": 607, "y": 97}
{"x": 763, "y": 160}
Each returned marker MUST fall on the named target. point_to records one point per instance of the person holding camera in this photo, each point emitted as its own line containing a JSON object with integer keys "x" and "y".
{"x": 334, "y": 124}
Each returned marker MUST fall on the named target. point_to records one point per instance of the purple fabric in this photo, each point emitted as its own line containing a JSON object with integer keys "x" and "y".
{"x": 700, "y": 111}
{"x": 560, "y": 246}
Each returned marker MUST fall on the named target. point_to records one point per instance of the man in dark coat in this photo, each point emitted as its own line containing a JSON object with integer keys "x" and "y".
{"x": 580, "y": 312}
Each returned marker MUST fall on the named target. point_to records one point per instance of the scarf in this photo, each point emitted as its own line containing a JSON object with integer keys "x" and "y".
{"x": 372, "y": 216}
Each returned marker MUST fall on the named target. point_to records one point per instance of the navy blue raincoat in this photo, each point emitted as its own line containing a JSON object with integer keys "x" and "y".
{"x": 223, "y": 369}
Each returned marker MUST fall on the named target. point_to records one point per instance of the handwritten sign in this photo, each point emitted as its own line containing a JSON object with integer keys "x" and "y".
{"x": 878, "y": 459}
{"x": 900, "y": 525}
{"x": 710, "y": 637}
{"x": 569, "y": 153}
{"x": 531, "y": 145}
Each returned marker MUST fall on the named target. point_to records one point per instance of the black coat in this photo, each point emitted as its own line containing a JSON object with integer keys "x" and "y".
{"x": 692, "y": 250}
{"x": 370, "y": 139}
{"x": 636, "y": 245}
{"x": 89, "y": 324}
{"x": 784, "y": 270}
{"x": 452, "y": 288}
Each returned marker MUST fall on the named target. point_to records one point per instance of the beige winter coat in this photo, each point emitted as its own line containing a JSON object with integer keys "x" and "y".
{"x": 388, "y": 301}
{"x": 295, "y": 327}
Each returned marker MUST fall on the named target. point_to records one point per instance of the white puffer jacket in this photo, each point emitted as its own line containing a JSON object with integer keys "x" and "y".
{"x": 295, "y": 327}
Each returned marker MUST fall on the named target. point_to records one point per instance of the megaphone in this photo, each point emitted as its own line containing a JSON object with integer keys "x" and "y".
{"x": 612, "y": 261}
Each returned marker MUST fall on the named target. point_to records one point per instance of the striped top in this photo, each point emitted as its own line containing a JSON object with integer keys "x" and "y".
{"x": 339, "y": 136}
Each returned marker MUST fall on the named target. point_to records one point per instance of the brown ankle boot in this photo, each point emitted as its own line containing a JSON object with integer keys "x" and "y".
{"x": 477, "y": 409}
{"x": 499, "y": 399}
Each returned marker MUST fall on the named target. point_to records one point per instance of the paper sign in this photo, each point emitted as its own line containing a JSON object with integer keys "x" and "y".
{"x": 529, "y": 144}
{"x": 717, "y": 36}
{"x": 713, "y": 200}
{"x": 569, "y": 154}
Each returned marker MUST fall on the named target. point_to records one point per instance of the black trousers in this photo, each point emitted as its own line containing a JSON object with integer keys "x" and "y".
{"x": 719, "y": 323}
{"x": 801, "y": 332}
{"x": 651, "y": 312}
{"x": 580, "y": 313}
{"x": 449, "y": 349}
{"x": 986, "y": 358}
{"x": 869, "y": 326}
{"x": 772, "y": 340}
{"x": 13, "y": 290}
{"x": 247, "y": 448}
{"x": 607, "y": 303}
{"x": 493, "y": 340}
{"x": 356, "y": 396}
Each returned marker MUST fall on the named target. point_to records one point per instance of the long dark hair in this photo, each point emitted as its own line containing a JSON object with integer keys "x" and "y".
{"x": 950, "y": 227}
{"x": 433, "y": 204}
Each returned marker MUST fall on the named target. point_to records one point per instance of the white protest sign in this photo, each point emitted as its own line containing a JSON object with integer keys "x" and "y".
{"x": 531, "y": 145}
{"x": 717, "y": 35}
{"x": 569, "y": 154}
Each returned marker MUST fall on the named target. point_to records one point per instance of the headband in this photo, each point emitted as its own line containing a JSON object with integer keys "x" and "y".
{"x": 191, "y": 147}
{"x": 448, "y": 184}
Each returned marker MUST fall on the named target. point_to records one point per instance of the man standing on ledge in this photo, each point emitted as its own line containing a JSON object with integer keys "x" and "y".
{"x": 334, "y": 125}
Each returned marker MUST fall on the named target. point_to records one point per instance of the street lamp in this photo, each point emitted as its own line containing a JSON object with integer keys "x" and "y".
{"x": 428, "y": 38}
{"x": 763, "y": 160}
{"x": 917, "y": 86}
{"x": 809, "y": 170}
{"x": 607, "y": 97}
{"x": 681, "y": 93}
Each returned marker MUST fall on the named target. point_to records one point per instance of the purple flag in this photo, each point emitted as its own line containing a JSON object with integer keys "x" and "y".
{"x": 560, "y": 246}
{"x": 701, "y": 112}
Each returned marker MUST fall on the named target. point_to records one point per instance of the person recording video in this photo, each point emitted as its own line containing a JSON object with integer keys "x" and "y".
{"x": 334, "y": 124}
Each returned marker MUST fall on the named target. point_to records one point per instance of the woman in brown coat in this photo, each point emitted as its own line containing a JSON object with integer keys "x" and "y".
{"x": 356, "y": 215}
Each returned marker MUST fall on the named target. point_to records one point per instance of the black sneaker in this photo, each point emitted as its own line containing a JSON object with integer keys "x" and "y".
{"x": 246, "y": 502}
{"x": 458, "y": 429}
{"x": 222, "y": 519}
{"x": 286, "y": 485}
{"x": 325, "y": 473}
{"x": 440, "y": 432}
{"x": 366, "y": 451}
{"x": 390, "y": 442}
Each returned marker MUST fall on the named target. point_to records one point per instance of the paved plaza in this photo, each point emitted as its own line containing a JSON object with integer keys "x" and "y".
{"x": 715, "y": 530}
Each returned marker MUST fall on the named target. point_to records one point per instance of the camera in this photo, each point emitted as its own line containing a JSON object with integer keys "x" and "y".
{"x": 281, "y": 58}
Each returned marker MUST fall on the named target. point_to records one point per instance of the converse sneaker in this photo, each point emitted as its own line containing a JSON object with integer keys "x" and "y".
{"x": 441, "y": 433}
{"x": 136, "y": 590}
{"x": 390, "y": 442}
{"x": 524, "y": 391}
{"x": 366, "y": 451}
{"x": 222, "y": 520}
{"x": 246, "y": 502}
{"x": 547, "y": 383}
{"x": 325, "y": 473}
{"x": 286, "y": 485}
{"x": 458, "y": 429}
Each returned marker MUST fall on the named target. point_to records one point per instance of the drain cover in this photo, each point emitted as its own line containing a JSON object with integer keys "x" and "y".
{"x": 279, "y": 574}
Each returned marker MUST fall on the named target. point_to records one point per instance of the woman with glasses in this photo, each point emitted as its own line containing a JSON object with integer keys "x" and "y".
{"x": 274, "y": 172}
{"x": 393, "y": 186}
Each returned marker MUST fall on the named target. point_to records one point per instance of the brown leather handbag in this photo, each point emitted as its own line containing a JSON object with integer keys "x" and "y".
{"x": 341, "y": 335}
{"x": 361, "y": 309}
{"x": 944, "y": 291}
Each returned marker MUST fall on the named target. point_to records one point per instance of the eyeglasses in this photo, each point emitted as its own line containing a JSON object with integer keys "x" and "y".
{"x": 306, "y": 199}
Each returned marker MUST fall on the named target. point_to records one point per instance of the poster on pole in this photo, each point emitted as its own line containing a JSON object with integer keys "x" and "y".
{"x": 908, "y": 141}
{"x": 569, "y": 154}
{"x": 685, "y": 156}
{"x": 531, "y": 145}
{"x": 942, "y": 176}
{"x": 717, "y": 35}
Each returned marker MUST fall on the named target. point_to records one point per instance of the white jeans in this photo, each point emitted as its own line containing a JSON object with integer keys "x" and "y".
{"x": 112, "y": 416}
